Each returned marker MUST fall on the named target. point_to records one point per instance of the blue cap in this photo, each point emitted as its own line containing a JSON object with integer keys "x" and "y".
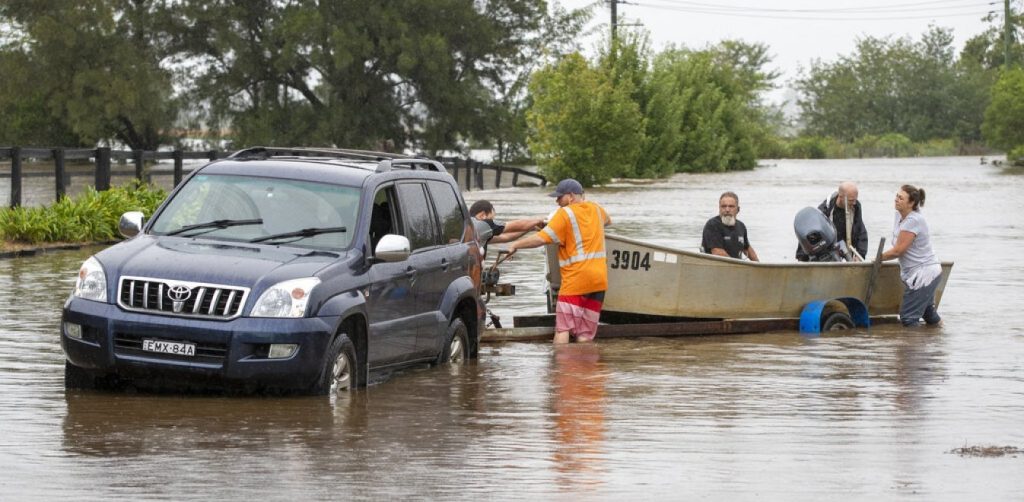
{"x": 567, "y": 185}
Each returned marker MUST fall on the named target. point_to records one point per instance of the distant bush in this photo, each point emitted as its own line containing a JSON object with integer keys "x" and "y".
{"x": 807, "y": 147}
{"x": 895, "y": 145}
{"x": 1016, "y": 156}
{"x": 869, "y": 145}
{"x": 939, "y": 148}
{"x": 90, "y": 217}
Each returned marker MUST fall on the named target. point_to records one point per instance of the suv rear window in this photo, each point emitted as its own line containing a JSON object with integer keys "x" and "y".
{"x": 419, "y": 217}
{"x": 453, "y": 220}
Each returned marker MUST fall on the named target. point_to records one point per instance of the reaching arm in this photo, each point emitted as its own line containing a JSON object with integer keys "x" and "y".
{"x": 524, "y": 225}
{"x": 532, "y": 241}
{"x": 903, "y": 242}
{"x": 507, "y": 236}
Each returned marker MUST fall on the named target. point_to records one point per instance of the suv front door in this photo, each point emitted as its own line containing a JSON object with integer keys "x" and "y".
{"x": 392, "y": 310}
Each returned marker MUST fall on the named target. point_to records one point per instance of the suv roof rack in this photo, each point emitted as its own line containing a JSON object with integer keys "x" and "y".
{"x": 385, "y": 161}
{"x": 266, "y": 152}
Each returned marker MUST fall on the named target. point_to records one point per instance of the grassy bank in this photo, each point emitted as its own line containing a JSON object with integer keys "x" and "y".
{"x": 870, "y": 146}
{"x": 89, "y": 217}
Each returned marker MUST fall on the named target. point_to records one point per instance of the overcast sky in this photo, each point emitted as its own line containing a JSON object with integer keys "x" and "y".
{"x": 796, "y": 31}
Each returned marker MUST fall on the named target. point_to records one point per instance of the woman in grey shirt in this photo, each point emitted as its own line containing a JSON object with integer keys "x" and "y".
{"x": 919, "y": 269}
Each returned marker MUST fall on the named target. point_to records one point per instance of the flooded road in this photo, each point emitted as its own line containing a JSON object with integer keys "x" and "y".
{"x": 773, "y": 416}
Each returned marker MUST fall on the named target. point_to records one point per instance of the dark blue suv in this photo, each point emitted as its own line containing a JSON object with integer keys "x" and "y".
{"x": 300, "y": 269}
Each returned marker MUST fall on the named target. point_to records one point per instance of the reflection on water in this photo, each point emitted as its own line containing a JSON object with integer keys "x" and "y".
{"x": 865, "y": 414}
{"x": 579, "y": 402}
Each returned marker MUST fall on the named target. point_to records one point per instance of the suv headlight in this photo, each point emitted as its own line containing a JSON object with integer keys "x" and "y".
{"x": 92, "y": 281}
{"x": 285, "y": 299}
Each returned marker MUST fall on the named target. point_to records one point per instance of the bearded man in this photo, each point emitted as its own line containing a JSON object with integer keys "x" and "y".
{"x": 724, "y": 235}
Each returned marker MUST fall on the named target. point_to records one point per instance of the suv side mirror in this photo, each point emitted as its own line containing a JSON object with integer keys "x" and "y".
{"x": 483, "y": 231}
{"x": 130, "y": 224}
{"x": 392, "y": 248}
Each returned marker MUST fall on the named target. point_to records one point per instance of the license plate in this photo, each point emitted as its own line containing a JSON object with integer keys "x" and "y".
{"x": 176, "y": 348}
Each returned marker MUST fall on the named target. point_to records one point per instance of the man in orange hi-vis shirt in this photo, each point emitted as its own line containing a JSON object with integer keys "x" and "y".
{"x": 578, "y": 229}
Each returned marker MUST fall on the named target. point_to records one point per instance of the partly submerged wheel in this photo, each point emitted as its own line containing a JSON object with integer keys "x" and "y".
{"x": 456, "y": 345}
{"x": 77, "y": 378}
{"x": 837, "y": 321}
{"x": 340, "y": 372}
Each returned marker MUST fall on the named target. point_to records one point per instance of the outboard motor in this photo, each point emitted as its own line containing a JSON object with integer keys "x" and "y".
{"x": 817, "y": 236}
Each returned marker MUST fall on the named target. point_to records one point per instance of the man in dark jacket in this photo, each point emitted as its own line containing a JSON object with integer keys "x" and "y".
{"x": 843, "y": 209}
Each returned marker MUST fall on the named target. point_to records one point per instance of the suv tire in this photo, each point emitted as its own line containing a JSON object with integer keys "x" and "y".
{"x": 455, "y": 350}
{"x": 340, "y": 373}
{"x": 77, "y": 378}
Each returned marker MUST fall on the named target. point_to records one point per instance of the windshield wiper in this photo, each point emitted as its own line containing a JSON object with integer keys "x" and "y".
{"x": 300, "y": 234}
{"x": 215, "y": 224}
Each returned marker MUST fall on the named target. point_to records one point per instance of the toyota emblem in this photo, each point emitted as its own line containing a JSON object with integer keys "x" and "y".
{"x": 179, "y": 292}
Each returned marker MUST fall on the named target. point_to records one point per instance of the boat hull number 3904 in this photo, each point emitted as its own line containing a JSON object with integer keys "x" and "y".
{"x": 629, "y": 260}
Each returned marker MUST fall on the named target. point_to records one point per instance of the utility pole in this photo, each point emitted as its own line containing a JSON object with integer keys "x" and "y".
{"x": 614, "y": 18}
{"x": 1007, "y": 31}
{"x": 614, "y": 4}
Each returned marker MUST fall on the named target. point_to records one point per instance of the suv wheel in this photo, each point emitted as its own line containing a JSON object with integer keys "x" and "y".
{"x": 77, "y": 378}
{"x": 456, "y": 344}
{"x": 340, "y": 372}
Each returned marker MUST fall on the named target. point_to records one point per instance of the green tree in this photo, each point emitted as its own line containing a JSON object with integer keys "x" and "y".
{"x": 582, "y": 124}
{"x": 506, "y": 130}
{"x": 23, "y": 106}
{"x": 988, "y": 49}
{"x": 699, "y": 114}
{"x": 1004, "y": 118}
{"x": 427, "y": 74}
{"x": 917, "y": 89}
{"x": 703, "y": 109}
{"x": 96, "y": 67}
{"x": 749, "y": 64}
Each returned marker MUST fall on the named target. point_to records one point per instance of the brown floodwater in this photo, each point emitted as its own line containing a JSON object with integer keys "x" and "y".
{"x": 890, "y": 413}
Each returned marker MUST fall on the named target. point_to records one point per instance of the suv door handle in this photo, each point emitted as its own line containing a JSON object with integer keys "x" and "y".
{"x": 444, "y": 264}
{"x": 410, "y": 272}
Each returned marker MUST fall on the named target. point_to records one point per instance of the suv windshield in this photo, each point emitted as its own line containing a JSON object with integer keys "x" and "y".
{"x": 246, "y": 208}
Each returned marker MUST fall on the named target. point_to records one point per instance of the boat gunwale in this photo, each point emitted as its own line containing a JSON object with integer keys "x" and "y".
{"x": 735, "y": 261}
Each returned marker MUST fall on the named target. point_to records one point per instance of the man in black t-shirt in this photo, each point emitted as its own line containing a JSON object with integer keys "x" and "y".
{"x": 724, "y": 235}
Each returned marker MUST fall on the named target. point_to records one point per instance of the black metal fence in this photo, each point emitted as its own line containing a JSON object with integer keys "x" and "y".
{"x": 470, "y": 174}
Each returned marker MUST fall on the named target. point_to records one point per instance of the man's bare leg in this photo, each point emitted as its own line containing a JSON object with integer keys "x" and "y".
{"x": 561, "y": 337}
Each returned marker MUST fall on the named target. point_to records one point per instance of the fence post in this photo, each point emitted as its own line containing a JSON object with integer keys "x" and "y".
{"x": 176, "y": 155}
{"x": 102, "y": 169}
{"x": 213, "y": 155}
{"x": 515, "y": 178}
{"x": 140, "y": 166}
{"x": 15, "y": 176}
{"x": 455, "y": 171}
{"x": 469, "y": 174}
{"x": 59, "y": 173}
{"x": 497, "y": 176}
{"x": 478, "y": 167}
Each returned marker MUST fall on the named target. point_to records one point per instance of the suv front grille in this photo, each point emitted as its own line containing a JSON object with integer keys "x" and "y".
{"x": 178, "y": 298}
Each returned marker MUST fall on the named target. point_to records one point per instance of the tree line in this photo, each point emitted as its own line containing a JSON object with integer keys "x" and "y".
{"x": 428, "y": 75}
{"x": 507, "y": 75}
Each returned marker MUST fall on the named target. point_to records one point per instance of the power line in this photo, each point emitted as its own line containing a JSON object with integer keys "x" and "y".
{"x": 767, "y": 14}
{"x": 951, "y": 4}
